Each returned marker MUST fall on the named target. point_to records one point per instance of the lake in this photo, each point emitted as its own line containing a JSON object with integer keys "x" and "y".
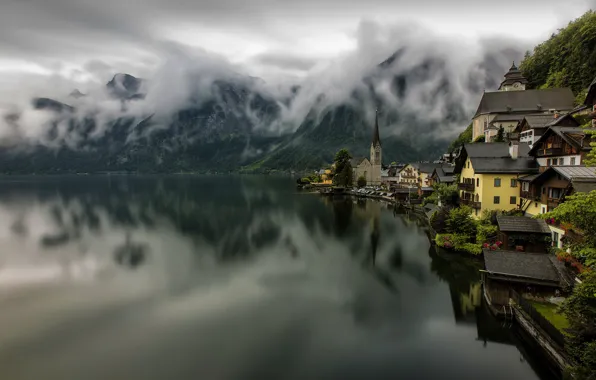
{"x": 180, "y": 277}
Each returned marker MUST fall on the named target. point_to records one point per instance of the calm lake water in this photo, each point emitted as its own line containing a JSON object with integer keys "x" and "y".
{"x": 233, "y": 278}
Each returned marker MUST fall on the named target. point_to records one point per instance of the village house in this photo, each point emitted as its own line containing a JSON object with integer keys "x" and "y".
{"x": 489, "y": 175}
{"x": 522, "y": 233}
{"x": 417, "y": 174}
{"x": 507, "y": 106}
{"x": 560, "y": 146}
{"x": 548, "y": 190}
{"x": 443, "y": 174}
{"x": 390, "y": 176}
{"x": 533, "y": 126}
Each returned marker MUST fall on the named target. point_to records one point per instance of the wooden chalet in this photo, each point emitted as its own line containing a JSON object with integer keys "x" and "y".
{"x": 560, "y": 146}
{"x": 523, "y": 234}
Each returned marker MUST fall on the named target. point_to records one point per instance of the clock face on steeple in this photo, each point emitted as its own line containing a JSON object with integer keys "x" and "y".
{"x": 516, "y": 85}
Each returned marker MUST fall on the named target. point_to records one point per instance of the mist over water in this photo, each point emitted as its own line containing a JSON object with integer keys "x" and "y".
{"x": 232, "y": 278}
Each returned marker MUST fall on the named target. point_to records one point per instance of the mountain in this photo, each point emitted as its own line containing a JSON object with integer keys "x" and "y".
{"x": 239, "y": 127}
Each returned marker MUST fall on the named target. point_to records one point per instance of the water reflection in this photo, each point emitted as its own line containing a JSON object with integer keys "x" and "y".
{"x": 231, "y": 278}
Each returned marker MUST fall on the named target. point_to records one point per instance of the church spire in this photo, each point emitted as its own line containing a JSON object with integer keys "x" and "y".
{"x": 376, "y": 139}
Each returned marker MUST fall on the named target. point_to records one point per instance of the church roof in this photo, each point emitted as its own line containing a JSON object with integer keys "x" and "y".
{"x": 376, "y": 139}
{"x": 527, "y": 101}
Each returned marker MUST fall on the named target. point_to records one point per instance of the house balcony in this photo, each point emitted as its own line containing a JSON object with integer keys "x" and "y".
{"x": 555, "y": 150}
{"x": 529, "y": 195}
{"x": 465, "y": 186}
{"x": 553, "y": 202}
{"x": 409, "y": 176}
{"x": 471, "y": 203}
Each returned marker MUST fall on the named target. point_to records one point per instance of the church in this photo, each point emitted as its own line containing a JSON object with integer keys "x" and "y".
{"x": 370, "y": 168}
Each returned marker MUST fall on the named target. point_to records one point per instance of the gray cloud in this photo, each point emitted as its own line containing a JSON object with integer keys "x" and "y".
{"x": 289, "y": 61}
{"x": 83, "y": 43}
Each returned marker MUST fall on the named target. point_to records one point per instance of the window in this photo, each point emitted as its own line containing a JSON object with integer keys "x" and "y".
{"x": 572, "y": 161}
{"x": 544, "y": 190}
{"x": 497, "y": 182}
{"x": 555, "y": 239}
{"x": 468, "y": 164}
{"x": 512, "y": 200}
{"x": 543, "y": 210}
{"x": 477, "y": 182}
{"x": 497, "y": 200}
{"x": 561, "y": 161}
{"x": 548, "y": 162}
{"x": 513, "y": 182}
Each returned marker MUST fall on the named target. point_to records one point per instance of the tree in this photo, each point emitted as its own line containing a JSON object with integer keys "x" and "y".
{"x": 567, "y": 59}
{"x": 343, "y": 168}
{"x": 460, "y": 222}
{"x": 479, "y": 139}
{"x": 342, "y": 156}
{"x": 579, "y": 211}
{"x": 500, "y": 135}
{"x": 361, "y": 181}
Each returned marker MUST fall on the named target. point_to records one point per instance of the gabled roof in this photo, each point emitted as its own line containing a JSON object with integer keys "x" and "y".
{"x": 528, "y": 101}
{"x": 582, "y": 179}
{"x": 424, "y": 167}
{"x": 539, "y": 121}
{"x": 508, "y": 117}
{"x": 357, "y": 161}
{"x": 494, "y": 158}
{"x": 574, "y": 136}
{"x": 535, "y": 266}
{"x": 522, "y": 224}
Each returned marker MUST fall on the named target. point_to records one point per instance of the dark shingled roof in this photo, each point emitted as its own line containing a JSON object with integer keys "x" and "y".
{"x": 508, "y": 117}
{"x": 527, "y": 101}
{"x": 504, "y": 165}
{"x": 537, "y": 266}
{"x": 522, "y": 224}
{"x": 539, "y": 121}
{"x": 425, "y": 167}
{"x": 493, "y": 150}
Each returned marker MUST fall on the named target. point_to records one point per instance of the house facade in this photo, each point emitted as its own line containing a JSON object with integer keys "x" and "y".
{"x": 489, "y": 175}
{"x": 560, "y": 146}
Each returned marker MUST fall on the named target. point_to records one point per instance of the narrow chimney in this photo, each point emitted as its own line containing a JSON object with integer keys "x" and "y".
{"x": 514, "y": 149}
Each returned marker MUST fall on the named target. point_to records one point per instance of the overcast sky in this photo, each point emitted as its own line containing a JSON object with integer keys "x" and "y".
{"x": 265, "y": 38}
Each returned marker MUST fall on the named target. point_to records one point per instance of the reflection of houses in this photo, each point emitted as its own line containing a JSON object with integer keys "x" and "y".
{"x": 489, "y": 175}
{"x": 521, "y": 233}
{"x": 506, "y": 107}
{"x": 560, "y": 146}
{"x": 505, "y": 270}
{"x": 465, "y": 304}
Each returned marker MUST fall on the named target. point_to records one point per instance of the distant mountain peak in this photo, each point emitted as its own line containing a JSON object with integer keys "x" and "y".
{"x": 125, "y": 86}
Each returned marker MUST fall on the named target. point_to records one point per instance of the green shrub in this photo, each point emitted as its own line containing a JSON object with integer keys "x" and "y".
{"x": 471, "y": 248}
{"x": 485, "y": 232}
{"x": 460, "y": 222}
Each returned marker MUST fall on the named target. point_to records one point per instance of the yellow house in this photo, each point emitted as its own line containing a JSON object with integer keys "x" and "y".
{"x": 489, "y": 175}
{"x": 326, "y": 177}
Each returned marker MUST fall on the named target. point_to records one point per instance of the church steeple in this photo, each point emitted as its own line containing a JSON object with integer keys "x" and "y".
{"x": 376, "y": 138}
{"x": 514, "y": 80}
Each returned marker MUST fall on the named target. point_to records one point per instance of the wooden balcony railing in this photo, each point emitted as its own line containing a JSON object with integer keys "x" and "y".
{"x": 465, "y": 186}
{"x": 471, "y": 203}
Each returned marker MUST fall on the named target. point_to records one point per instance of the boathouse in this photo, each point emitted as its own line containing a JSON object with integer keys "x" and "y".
{"x": 524, "y": 234}
{"x": 535, "y": 274}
